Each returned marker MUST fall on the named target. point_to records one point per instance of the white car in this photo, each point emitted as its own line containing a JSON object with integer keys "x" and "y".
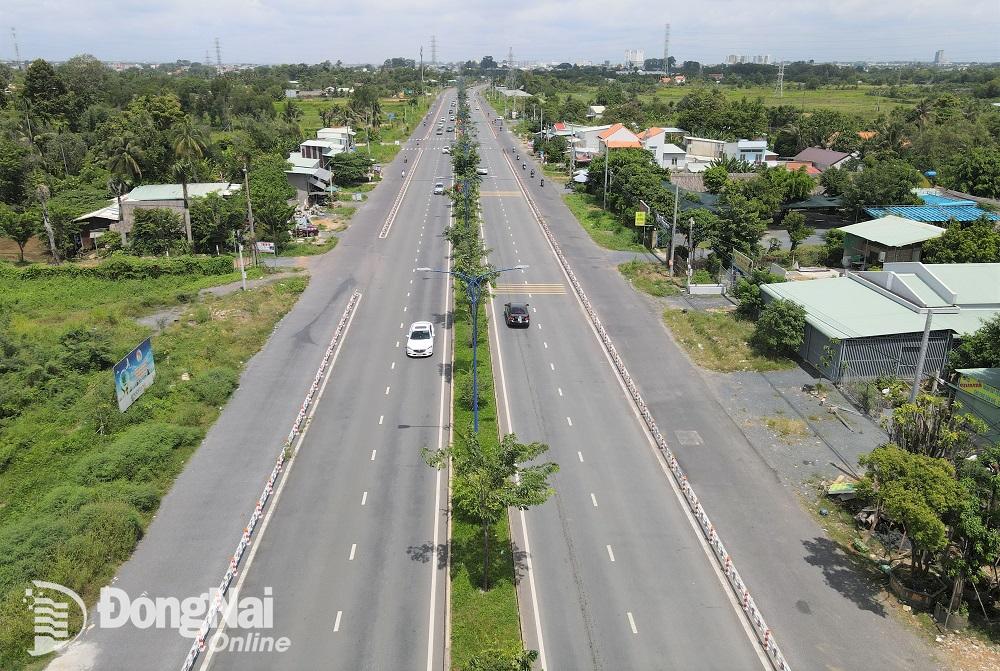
{"x": 438, "y": 189}
{"x": 420, "y": 339}
{"x": 446, "y": 150}
{"x": 482, "y": 171}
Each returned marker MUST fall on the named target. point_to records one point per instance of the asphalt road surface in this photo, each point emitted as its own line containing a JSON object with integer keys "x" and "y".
{"x": 352, "y": 552}
{"x": 823, "y": 613}
{"x": 621, "y": 580}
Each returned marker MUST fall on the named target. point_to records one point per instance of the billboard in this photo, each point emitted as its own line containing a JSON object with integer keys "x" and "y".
{"x": 134, "y": 374}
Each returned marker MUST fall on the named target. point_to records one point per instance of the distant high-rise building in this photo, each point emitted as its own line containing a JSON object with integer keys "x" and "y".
{"x": 635, "y": 58}
{"x": 939, "y": 57}
{"x": 732, "y": 59}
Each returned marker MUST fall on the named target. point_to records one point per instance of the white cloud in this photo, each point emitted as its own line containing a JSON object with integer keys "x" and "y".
{"x": 269, "y": 31}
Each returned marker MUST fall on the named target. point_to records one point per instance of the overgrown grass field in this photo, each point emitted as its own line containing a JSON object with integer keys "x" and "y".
{"x": 650, "y": 277}
{"x": 603, "y": 227}
{"x": 720, "y": 342}
{"x": 80, "y": 481}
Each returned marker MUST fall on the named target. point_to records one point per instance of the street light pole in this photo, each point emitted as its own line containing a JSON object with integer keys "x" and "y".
{"x": 472, "y": 287}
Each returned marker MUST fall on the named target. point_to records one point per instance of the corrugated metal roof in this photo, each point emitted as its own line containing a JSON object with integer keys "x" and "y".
{"x": 935, "y": 199}
{"x": 974, "y": 283}
{"x": 149, "y": 192}
{"x": 933, "y": 213}
{"x": 893, "y": 231}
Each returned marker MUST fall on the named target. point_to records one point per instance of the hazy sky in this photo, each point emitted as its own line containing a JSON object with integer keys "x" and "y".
{"x": 282, "y": 31}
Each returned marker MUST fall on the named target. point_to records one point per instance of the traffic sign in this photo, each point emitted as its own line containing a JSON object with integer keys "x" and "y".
{"x": 640, "y": 218}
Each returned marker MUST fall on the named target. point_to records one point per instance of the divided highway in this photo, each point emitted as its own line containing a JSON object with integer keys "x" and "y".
{"x": 620, "y": 576}
{"x": 352, "y": 547}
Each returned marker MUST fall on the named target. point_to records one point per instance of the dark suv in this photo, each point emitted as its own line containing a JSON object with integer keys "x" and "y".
{"x": 516, "y": 314}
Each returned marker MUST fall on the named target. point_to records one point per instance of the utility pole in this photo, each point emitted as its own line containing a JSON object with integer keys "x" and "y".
{"x": 421, "y": 65}
{"x": 666, "y": 49}
{"x": 922, "y": 356}
{"x": 17, "y": 50}
{"x": 218, "y": 57}
{"x": 253, "y": 233}
{"x": 673, "y": 233}
{"x": 607, "y": 160}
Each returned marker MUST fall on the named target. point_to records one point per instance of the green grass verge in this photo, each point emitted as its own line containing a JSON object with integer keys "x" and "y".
{"x": 650, "y": 277}
{"x": 80, "y": 481}
{"x": 603, "y": 227}
{"x": 308, "y": 248}
{"x": 480, "y": 620}
{"x": 719, "y": 341}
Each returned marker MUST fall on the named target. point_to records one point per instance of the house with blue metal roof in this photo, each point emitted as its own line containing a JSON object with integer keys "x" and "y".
{"x": 937, "y": 209}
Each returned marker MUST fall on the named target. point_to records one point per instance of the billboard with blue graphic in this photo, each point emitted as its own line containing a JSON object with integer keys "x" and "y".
{"x": 134, "y": 374}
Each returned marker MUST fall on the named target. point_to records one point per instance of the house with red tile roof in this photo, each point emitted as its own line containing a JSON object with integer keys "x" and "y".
{"x": 618, "y": 136}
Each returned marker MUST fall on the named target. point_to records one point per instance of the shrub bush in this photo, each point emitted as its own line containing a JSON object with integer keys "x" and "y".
{"x": 779, "y": 328}
{"x": 214, "y": 385}
{"x": 135, "y": 455}
{"x": 463, "y": 387}
{"x": 122, "y": 267}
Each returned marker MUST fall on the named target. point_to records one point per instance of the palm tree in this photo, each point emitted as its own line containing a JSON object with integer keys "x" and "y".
{"x": 189, "y": 145}
{"x": 123, "y": 162}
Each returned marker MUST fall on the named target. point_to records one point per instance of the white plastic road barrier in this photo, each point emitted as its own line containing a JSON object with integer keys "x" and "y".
{"x": 754, "y": 616}
{"x": 199, "y": 644}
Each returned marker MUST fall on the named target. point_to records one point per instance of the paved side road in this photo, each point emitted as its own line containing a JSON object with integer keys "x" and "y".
{"x": 823, "y": 614}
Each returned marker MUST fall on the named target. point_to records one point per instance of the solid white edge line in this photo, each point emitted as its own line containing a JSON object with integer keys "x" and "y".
{"x": 336, "y": 622}
{"x": 528, "y": 563}
{"x": 593, "y": 499}
{"x": 437, "y": 495}
{"x": 611, "y": 554}
{"x": 354, "y": 547}
{"x": 742, "y": 616}
{"x": 210, "y": 649}
{"x": 364, "y": 498}
{"x": 631, "y": 622}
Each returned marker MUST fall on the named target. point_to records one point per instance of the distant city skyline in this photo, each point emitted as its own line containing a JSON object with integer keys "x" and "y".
{"x": 278, "y": 31}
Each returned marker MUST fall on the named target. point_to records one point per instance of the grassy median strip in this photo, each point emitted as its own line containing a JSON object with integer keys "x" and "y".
{"x": 719, "y": 341}
{"x": 603, "y": 227}
{"x": 480, "y": 620}
{"x": 80, "y": 481}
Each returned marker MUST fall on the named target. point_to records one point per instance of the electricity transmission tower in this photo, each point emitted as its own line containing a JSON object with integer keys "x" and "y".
{"x": 434, "y": 51}
{"x": 666, "y": 49}
{"x": 780, "y": 86}
{"x": 218, "y": 56}
{"x": 17, "y": 50}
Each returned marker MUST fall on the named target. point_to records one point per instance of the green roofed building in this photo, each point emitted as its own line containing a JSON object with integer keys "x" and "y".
{"x": 870, "y": 323}
{"x": 886, "y": 240}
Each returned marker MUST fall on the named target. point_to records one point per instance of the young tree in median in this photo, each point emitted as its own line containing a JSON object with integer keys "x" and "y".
{"x": 488, "y": 480}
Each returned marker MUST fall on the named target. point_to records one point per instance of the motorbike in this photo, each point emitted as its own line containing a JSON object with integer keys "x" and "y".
{"x": 404, "y": 159}
{"x": 532, "y": 173}
{"x": 543, "y": 182}
{"x": 524, "y": 166}
{"x": 403, "y": 174}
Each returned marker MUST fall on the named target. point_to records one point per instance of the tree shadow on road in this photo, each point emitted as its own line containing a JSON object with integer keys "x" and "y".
{"x": 845, "y": 574}
{"x": 425, "y": 552}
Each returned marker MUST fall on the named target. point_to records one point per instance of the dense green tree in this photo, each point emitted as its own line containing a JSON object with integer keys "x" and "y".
{"x": 975, "y": 242}
{"x": 157, "y": 231}
{"x": 780, "y": 328}
{"x": 214, "y": 219}
{"x": 750, "y": 301}
{"x": 979, "y": 350}
{"x": 351, "y": 168}
{"x": 795, "y": 224}
{"x": 715, "y": 178}
{"x": 882, "y": 183}
{"x": 18, "y": 226}
{"x": 270, "y": 193}
{"x": 835, "y": 180}
{"x": 45, "y": 91}
{"x": 917, "y": 491}
{"x": 14, "y": 169}
{"x": 739, "y": 228}
{"x": 87, "y": 79}
{"x": 291, "y": 112}
{"x": 703, "y": 112}
{"x": 975, "y": 171}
